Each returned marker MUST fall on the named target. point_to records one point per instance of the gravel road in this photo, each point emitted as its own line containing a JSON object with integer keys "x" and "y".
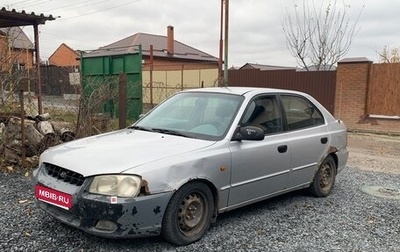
{"x": 347, "y": 220}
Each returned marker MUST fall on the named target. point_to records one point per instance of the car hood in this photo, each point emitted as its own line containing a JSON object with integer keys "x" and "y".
{"x": 119, "y": 151}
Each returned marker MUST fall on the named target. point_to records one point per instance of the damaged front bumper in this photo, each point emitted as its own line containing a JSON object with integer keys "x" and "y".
{"x": 96, "y": 215}
{"x": 105, "y": 216}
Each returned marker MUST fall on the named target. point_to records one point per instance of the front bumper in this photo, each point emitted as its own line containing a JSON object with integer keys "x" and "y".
{"x": 105, "y": 216}
{"x": 137, "y": 218}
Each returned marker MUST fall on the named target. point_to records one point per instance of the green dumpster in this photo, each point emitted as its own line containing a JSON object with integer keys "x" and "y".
{"x": 100, "y": 78}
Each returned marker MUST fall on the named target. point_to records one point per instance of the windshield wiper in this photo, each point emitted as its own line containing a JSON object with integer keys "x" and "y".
{"x": 165, "y": 131}
{"x": 171, "y": 132}
{"x": 141, "y": 128}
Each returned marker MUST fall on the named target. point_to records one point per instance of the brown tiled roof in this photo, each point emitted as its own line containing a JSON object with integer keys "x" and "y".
{"x": 19, "y": 40}
{"x": 129, "y": 45}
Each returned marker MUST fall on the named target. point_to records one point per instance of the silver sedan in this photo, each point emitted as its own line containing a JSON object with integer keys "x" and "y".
{"x": 198, "y": 154}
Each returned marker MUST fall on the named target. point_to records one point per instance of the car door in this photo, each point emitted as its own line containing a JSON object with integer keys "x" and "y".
{"x": 308, "y": 138}
{"x": 260, "y": 168}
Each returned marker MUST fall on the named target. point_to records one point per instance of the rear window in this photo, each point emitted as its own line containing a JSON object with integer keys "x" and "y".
{"x": 300, "y": 113}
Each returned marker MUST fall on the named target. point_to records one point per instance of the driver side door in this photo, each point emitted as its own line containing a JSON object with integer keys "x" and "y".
{"x": 260, "y": 169}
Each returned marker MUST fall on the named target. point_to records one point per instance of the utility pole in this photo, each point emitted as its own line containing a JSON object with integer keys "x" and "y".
{"x": 226, "y": 43}
{"x": 223, "y": 44}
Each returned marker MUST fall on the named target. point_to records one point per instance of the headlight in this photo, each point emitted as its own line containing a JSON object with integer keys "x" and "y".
{"x": 116, "y": 185}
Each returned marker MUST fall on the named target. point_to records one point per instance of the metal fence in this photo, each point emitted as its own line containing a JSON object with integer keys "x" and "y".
{"x": 320, "y": 84}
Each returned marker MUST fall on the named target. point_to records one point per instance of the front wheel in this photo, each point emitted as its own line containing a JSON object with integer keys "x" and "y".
{"x": 188, "y": 214}
{"x": 324, "y": 178}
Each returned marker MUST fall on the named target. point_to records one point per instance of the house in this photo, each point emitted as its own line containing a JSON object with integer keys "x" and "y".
{"x": 61, "y": 75}
{"x": 166, "y": 50}
{"x": 64, "y": 56}
{"x": 16, "y": 50}
{"x": 265, "y": 67}
{"x": 168, "y": 65}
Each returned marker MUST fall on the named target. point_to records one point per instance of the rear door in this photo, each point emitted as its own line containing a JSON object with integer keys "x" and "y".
{"x": 308, "y": 138}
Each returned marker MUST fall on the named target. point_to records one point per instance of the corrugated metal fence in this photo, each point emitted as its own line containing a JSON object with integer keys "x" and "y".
{"x": 320, "y": 84}
{"x": 56, "y": 81}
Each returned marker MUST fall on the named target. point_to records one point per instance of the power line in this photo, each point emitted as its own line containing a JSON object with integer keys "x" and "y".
{"x": 64, "y": 37}
{"x": 109, "y": 8}
{"x": 36, "y": 3}
{"x": 76, "y": 6}
{"x": 72, "y": 6}
{"x": 17, "y": 3}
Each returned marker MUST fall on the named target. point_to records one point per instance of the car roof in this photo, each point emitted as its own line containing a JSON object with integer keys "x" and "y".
{"x": 244, "y": 90}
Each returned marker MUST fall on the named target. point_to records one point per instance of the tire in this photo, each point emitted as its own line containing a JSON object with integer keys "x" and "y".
{"x": 324, "y": 179}
{"x": 188, "y": 214}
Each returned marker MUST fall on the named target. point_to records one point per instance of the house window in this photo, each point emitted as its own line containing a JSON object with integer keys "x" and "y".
{"x": 17, "y": 66}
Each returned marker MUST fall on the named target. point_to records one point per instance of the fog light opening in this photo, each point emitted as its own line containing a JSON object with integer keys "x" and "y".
{"x": 106, "y": 225}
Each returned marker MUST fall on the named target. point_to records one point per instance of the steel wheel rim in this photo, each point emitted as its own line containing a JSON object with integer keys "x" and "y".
{"x": 192, "y": 214}
{"x": 326, "y": 176}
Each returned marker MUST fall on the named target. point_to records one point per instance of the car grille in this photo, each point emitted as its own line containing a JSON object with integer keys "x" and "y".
{"x": 65, "y": 175}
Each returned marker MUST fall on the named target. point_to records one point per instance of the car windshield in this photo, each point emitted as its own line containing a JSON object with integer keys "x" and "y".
{"x": 199, "y": 115}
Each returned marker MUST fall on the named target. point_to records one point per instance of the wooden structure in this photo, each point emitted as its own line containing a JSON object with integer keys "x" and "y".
{"x": 13, "y": 18}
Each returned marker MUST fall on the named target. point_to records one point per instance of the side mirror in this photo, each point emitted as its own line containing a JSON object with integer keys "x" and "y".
{"x": 250, "y": 133}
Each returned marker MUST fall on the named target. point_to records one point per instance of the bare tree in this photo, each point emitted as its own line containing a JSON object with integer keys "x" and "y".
{"x": 389, "y": 55}
{"x": 14, "y": 63}
{"x": 318, "y": 36}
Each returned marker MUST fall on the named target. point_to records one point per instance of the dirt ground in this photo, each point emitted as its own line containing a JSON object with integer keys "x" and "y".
{"x": 374, "y": 152}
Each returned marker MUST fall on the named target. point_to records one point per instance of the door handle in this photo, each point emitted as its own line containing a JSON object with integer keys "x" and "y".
{"x": 324, "y": 140}
{"x": 282, "y": 148}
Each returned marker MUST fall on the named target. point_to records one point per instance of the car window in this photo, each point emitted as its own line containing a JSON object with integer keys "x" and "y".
{"x": 263, "y": 112}
{"x": 300, "y": 112}
{"x": 198, "y": 114}
{"x": 180, "y": 111}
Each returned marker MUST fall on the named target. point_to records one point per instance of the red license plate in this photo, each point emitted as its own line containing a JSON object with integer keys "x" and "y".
{"x": 53, "y": 197}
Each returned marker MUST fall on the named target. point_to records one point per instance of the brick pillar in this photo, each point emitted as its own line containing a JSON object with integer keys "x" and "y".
{"x": 352, "y": 90}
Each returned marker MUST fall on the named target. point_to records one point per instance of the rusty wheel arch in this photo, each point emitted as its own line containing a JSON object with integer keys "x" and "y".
{"x": 214, "y": 192}
{"x": 332, "y": 152}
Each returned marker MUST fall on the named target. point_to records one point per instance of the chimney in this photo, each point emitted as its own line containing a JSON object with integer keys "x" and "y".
{"x": 170, "y": 40}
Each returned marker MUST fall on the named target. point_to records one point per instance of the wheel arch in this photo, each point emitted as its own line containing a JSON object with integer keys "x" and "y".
{"x": 214, "y": 192}
{"x": 335, "y": 158}
{"x": 331, "y": 153}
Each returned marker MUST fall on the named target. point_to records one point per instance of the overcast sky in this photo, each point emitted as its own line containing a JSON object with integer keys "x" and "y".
{"x": 255, "y": 32}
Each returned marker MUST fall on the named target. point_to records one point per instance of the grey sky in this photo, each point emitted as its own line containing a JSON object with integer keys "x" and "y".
{"x": 255, "y": 33}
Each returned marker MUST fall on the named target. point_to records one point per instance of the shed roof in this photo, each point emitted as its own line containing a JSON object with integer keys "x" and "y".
{"x": 14, "y": 18}
{"x": 159, "y": 42}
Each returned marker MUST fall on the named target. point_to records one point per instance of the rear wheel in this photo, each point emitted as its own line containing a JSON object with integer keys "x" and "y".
{"x": 188, "y": 214}
{"x": 324, "y": 178}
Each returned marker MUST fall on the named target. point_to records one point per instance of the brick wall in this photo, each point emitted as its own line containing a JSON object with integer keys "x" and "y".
{"x": 352, "y": 97}
{"x": 23, "y": 57}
